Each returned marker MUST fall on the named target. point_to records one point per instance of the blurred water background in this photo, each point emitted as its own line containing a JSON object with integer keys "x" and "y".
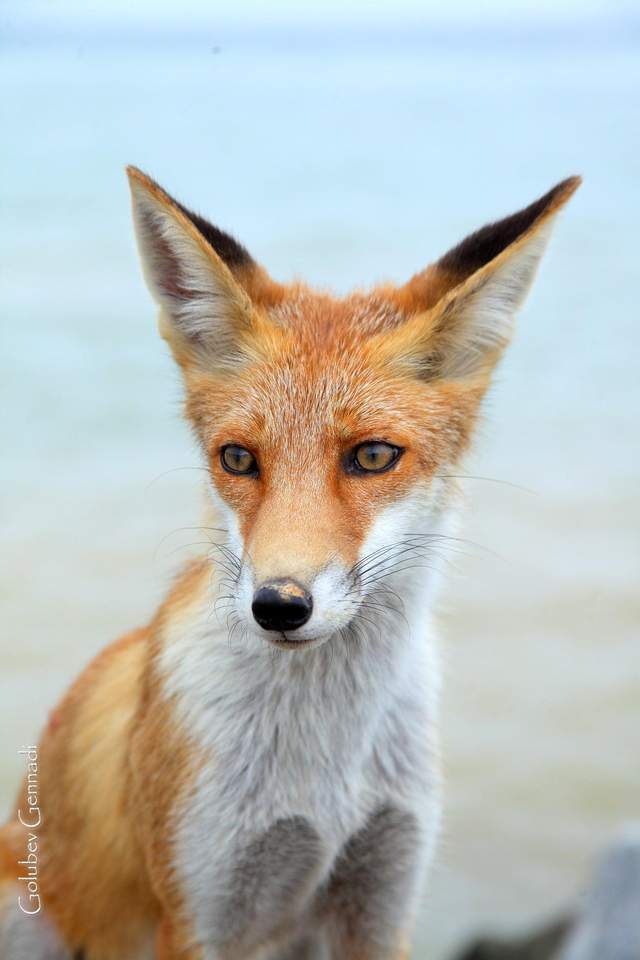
{"x": 346, "y": 149}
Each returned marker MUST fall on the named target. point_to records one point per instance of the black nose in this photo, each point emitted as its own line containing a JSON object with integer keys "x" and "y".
{"x": 281, "y": 605}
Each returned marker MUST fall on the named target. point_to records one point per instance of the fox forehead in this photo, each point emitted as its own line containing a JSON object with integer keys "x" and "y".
{"x": 318, "y": 318}
{"x": 321, "y": 384}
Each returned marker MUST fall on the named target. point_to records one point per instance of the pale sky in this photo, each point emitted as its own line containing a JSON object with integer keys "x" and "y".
{"x": 160, "y": 12}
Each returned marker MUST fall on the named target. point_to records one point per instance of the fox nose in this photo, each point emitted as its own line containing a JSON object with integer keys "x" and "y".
{"x": 281, "y": 605}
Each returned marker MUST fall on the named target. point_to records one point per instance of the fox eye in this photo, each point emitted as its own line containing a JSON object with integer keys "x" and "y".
{"x": 238, "y": 460}
{"x": 375, "y": 456}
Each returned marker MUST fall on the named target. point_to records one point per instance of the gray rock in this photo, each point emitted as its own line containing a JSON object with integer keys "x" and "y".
{"x": 608, "y": 925}
{"x": 541, "y": 945}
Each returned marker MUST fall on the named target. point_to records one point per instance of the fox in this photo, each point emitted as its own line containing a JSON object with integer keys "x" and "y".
{"x": 256, "y": 772}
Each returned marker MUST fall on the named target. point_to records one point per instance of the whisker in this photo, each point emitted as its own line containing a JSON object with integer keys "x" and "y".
{"x": 400, "y": 548}
{"x": 379, "y": 609}
{"x": 165, "y": 473}
{"x": 186, "y": 546}
{"x": 469, "y": 476}
{"x": 354, "y": 630}
{"x": 230, "y": 556}
{"x": 375, "y": 553}
{"x": 199, "y": 529}
{"x": 229, "y": 603}
{"x": 399, "y": 569}
{"x": 379, "y": 552}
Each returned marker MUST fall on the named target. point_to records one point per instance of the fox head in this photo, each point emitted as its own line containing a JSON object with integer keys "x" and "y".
{"x": 331, "y": 427}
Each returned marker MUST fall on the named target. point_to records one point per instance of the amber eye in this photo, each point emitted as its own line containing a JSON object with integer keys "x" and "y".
{"x": 374, "y": 456}
{"x": 238, "y": 460}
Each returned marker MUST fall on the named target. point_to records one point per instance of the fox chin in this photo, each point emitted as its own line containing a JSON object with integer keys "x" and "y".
{"x": 254, "y": 773}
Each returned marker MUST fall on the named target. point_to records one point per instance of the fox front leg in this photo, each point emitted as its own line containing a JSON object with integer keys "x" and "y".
{"x": 173, "y": 942}
{"x": 373, "y": 890}
{"x": 311, "y": 947}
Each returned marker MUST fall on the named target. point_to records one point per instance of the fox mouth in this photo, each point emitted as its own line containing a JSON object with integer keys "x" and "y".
{"x": 288, "y": 642}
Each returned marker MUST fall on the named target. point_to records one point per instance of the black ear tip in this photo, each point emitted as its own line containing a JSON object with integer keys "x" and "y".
{"x": 485, "y": 244}
{"x": 227, "y": 247}
{"x": 566, "y": 188}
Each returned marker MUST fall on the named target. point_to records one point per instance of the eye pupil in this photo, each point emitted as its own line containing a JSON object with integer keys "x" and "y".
{"x": 238, "y": 460}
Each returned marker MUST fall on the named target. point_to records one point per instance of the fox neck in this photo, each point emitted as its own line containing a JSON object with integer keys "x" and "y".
{"x": 330, "y": 698}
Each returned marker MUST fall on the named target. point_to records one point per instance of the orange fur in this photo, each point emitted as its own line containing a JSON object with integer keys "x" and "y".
{"x": 90, "y": 854}
{"x": 275, "y": 407}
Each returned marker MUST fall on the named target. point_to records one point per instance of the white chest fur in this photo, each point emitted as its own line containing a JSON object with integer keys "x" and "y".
{"x": 320, "y": 738}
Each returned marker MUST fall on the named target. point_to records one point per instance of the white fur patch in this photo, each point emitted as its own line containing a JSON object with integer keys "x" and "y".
{"x": 199, "y": 300}
{"x": 482, "y": 320}
{"x": 327, "y": 733}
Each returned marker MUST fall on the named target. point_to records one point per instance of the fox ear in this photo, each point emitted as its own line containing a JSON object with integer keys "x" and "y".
{"x": 205, "y": 283}
{"x": 463, "y": 306}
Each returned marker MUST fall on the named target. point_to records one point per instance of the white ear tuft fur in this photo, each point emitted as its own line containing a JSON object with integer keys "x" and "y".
{"x": 203, "y": 308}
{"x": 475, "y": 320}
{"x": 464, "y": 305}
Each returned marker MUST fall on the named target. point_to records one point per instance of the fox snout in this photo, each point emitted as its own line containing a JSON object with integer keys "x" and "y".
{"x": 281, "y": 605}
